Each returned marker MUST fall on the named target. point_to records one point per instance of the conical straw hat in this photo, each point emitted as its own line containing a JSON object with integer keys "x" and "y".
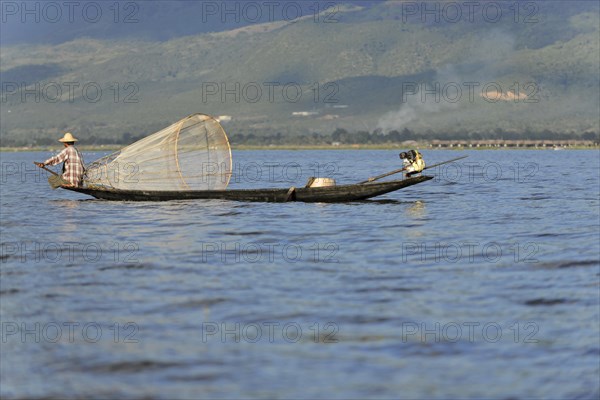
{"x": 68, "y": 138}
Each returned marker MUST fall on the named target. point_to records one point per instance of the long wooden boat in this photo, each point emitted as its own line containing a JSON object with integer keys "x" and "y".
{"x": 330, "y": 194}
{"x": 191, "y": 159}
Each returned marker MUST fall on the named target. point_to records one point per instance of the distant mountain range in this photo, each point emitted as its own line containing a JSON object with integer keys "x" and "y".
{"x": 439, "y": 69}
{"x": 34, "y": 22}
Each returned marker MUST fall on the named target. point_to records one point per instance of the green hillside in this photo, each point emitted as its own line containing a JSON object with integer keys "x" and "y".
{"x": 360, "y": 72}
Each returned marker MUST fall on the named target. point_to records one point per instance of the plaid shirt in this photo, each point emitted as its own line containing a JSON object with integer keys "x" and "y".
{"x": 73, "y": 167}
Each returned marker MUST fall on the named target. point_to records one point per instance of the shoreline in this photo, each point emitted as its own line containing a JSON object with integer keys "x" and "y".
{"x": 109, "y": 148}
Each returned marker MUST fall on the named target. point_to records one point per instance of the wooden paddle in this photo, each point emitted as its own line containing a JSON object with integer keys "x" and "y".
{"x": 55, "y": 181}
{"x": 44, "y": 167}
{"x": 396, "y": 171}
{"x": 404, "y": 169}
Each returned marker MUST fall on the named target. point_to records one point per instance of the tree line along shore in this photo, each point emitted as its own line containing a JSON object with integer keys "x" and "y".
{"x": 344, "y": 139}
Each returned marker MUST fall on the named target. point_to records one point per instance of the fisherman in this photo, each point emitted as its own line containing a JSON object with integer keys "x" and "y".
{"x": 413, "y": 162}
{"x": 73, "y": 167}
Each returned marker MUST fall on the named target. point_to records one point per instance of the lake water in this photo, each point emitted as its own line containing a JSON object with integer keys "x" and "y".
{"x": 483, "y": 282}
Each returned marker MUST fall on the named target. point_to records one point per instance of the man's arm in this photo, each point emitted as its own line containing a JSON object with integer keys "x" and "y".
{"x": 61, "y": 157}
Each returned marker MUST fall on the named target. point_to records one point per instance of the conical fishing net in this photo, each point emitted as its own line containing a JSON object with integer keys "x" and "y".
{"x": 191, "y": 154}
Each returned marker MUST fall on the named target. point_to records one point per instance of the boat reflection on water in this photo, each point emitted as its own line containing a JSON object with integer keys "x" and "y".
{"x": 416, "y": 215}
{"x": 417, "y": 209}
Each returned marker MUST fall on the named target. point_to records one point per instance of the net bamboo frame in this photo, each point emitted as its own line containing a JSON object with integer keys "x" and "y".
{"x": 191, "y": 154}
